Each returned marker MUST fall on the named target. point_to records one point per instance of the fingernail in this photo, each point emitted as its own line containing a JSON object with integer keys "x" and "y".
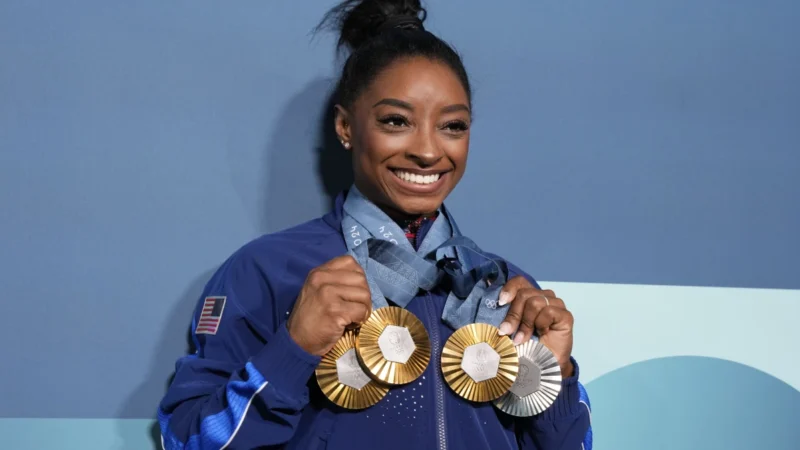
{"x": 506, "y": 329}
{"x": 505, "y": 298}
{"x": 519, "y": 339}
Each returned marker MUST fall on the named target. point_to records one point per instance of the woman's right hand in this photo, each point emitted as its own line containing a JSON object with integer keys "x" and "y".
{"x": 334, "y": 297}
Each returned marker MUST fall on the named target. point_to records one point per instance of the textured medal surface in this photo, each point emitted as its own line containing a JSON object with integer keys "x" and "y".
{"x": 479, "y": 364}
{"x": 393, "y": 346}
{"x": 538, "y": 382}
{"x": 343, "y": 380}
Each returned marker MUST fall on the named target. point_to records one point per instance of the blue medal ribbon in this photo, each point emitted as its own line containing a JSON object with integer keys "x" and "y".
{"x": 397, "y": 271}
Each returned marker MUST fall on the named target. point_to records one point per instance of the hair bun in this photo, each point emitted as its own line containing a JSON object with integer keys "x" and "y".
{"x": 358, "y": 21}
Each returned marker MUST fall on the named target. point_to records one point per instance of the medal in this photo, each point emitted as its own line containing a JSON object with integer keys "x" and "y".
{"x": 479, "y": 364}
{"x": 343, "y": 381}
{"x": 538, "y": 382}
{"x": 393, "y": 346}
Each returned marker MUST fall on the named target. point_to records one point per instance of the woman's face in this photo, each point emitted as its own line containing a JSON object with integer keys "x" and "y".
{"x": 409, "y": 134}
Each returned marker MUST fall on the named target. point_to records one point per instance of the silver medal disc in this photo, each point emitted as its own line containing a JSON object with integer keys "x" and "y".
{"x": 538, "y": 382}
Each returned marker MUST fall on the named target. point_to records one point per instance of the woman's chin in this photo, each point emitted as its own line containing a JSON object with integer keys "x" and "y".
{"x": 413, "y": 207}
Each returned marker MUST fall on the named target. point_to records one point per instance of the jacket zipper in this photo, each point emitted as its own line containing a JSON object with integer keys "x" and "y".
{"x": 436, "y": 349}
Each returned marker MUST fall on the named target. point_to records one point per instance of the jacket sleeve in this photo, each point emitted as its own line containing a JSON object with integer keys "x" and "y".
{"x": 566, "y": 425}
{"x": 245, "y": 385}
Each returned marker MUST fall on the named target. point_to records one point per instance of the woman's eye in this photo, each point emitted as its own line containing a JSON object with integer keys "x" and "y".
{"x": 394, "y": 121}
{"x": 456, "y": 126}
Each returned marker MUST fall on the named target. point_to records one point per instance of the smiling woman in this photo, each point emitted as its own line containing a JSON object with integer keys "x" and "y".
{"x": 409, "y": 134}
{"x": 379, "y": 325}
{"x": 405, "y": 106}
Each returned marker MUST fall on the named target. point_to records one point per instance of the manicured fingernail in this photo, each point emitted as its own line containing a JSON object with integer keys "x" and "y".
{"x": 519, "y": 339}
{"x": 505, "y": 298}
{"x": 506, "y": 329}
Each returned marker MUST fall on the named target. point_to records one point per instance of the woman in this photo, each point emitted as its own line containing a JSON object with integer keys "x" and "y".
{"x": 283, "y": 301}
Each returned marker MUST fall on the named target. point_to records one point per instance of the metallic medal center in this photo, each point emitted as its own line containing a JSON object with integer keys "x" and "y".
{"x": 480, "y": 362}
{"x": 396, "y": 344}
{"x": 528, "y": 378}
{"x": 350, "y": 372}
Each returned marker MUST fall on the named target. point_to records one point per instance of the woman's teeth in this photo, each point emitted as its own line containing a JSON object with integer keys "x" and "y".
{"x": 417, "y": 179}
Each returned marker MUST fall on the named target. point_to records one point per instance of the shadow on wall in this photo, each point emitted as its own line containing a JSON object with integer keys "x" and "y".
{"x": 304, "y": 137}
{"x": 175, "y": 342}
{"x": 307, "y": 169}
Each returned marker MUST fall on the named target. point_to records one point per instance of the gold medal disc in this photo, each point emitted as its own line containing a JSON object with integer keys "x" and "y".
{"x": 343, "y": 380}
{"x": 393, "y": 346}
{"x": 538, "y": 382}
{"x": 479, "y": 364}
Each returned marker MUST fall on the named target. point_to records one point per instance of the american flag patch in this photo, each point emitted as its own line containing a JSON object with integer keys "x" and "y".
{"x": 211, "y": 315}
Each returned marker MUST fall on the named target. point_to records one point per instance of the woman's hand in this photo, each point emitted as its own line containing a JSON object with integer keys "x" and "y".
{"x": 533, "y": 309}
{"x": 334, "y": 297}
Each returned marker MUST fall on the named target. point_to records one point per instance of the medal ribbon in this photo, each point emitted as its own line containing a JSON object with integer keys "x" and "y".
{"x": 396, "y": 270}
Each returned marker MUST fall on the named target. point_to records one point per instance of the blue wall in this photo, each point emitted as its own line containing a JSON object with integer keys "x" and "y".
{"x": 618, "y": 145}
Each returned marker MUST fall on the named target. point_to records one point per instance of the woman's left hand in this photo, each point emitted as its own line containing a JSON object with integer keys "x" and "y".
{"x": 540, "y": 310}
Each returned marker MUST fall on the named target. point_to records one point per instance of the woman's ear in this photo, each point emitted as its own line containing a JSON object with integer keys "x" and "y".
{"x": 342, "y": 123}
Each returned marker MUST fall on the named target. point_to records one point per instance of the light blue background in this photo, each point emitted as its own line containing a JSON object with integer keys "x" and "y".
{"x": 638, "y": 143}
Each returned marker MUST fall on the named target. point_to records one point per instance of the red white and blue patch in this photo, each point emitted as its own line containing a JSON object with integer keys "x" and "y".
{"x": 211, "y": 315}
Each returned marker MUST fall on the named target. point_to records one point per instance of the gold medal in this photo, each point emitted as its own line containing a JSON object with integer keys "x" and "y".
{"x": 343, "y": 380}
{"x": 479, "y": 364}
{"x": 393, "y": 346}
{"x": 538, "y": 382}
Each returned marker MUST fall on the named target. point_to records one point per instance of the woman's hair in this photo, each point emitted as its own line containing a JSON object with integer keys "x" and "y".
{"x": 378, "y": 33}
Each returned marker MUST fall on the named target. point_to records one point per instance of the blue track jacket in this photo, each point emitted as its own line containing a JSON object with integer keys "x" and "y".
{"x": 250, "y": 386}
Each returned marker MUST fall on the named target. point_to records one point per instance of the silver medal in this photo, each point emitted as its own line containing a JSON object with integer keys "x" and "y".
{"x": 538, "y": 382}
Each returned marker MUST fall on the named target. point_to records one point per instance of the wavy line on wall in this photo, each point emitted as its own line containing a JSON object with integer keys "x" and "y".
{"x": 688, "y": 402}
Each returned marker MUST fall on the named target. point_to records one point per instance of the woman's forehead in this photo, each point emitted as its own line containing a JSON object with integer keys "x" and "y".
{"x": 416, "y": 81}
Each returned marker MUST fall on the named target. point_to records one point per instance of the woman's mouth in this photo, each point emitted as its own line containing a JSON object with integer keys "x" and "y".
{"x": 416, "y": 178}
{"x": 417, "y": 182}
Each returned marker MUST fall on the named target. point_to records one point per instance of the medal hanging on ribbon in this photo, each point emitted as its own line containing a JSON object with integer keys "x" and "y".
{"x": 478, "y": 364}
{"x": 393, "y": 346}
{"x": 538, "y": 382}
{"x": 342, "y": 379}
